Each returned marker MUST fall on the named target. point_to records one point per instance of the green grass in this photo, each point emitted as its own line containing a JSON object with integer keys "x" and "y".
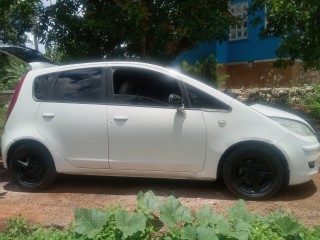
{"x": 312, "y": 101}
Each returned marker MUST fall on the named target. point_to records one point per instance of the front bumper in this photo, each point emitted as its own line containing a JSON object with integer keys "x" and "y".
{"x": 303, "y": 157}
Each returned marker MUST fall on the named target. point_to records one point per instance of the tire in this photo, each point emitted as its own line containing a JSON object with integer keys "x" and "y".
{"x": 253, "y": 172}
{"x": 31, "y": 167}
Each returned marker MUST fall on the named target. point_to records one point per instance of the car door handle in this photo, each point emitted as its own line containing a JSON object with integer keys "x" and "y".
{"x": 48, "y": 115}
{"x": 120, "y": 118}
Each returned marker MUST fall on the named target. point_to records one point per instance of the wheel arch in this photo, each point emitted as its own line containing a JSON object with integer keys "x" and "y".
{"x": 21, "y": 142}
{"x": 253, "y": 143}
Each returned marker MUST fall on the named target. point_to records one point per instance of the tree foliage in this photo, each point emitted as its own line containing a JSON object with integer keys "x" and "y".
{"x": 16, "y": 19}
{"x": 11, "y": 71}
{"x": 297, "y": 23}
{"x": 142, "y": 29}
{"x": 207, "y": 70}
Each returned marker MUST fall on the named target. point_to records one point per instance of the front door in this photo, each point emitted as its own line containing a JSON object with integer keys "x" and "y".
{"x": 145, "y": 132}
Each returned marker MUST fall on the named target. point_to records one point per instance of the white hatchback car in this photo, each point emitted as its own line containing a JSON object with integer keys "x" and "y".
{"x": 141, "y": 120}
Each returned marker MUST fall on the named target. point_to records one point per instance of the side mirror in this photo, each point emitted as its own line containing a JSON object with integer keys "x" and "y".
{"x": 175, "y": 101}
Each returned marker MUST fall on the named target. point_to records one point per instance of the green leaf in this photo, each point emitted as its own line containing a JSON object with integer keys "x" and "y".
{"x": 287, "y": 225}
{"x": 239, "y": 212}
{"x": 206, "y": 216}
{"x": 130, "y": 223}
{"x": 206, "y": 233}
{"x": 241, "y": 229}
{"x": 90, "y": 222}
{"x": 189, "y": 233}
{"x": 148, "y": 202}
{"x": 172, "y": 212}
{"x": 223, "y": 227}
{"x": 198, "y": 233}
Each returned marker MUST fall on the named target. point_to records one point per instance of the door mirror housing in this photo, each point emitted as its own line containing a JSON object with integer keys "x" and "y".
{"x": 175, "y": 101}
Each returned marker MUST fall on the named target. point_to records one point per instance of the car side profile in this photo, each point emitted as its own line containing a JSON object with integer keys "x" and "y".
{"x": 141, "y": 120}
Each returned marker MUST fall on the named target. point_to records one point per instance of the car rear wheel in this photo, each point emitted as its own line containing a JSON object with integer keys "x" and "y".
{"x": 32, "y": 167}
{"x": 253, "y": 172}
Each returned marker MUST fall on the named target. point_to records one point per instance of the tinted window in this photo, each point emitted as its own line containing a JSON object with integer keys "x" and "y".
{"x": 78, "y": 86}
{"x": 200, "y": 99}
{"x": 41, "y": 86}
{"x": 143, "y": 87}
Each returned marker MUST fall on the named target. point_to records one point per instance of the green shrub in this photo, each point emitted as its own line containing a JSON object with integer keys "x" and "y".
{"x": 19, "y": 229}
{"x": 312, "y": 101}
{"x": 208, "y": 71}
{"x": 3, "y": 111}
{"x": 167, "y": 220}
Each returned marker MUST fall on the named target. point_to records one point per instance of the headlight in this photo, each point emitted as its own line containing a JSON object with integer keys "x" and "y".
{"x": 297, "y": 127}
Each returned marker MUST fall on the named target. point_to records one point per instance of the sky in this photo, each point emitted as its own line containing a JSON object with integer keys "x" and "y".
{"x": 30, "y": 35}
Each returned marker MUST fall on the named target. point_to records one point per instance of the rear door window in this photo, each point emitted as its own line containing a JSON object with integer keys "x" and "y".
{"x": 78, "y": 86}
{"x": 72, "y": 86}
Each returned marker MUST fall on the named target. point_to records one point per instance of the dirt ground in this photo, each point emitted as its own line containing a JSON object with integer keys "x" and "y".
{"x": 55, "y": 205}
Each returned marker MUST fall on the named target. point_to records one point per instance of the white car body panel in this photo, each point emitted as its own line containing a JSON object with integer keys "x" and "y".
{"x": 65, "y": 126}
{"x": 156, "y": 139}
{"x": 274, "y": 112}
{"x": 152, "y": 142}
{"x": 40, "y": 65}
{"x": 239, "y": 125}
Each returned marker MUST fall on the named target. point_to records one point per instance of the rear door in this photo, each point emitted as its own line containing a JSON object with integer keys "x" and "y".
{"x": 72, "y": 115}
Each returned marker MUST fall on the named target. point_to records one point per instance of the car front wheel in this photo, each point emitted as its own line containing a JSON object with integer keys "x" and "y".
{"x": 32, "y": 167}
{"x": 253, "y": 172}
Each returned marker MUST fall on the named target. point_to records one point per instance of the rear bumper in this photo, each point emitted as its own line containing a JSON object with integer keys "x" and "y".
{"x": 6, "y": 142}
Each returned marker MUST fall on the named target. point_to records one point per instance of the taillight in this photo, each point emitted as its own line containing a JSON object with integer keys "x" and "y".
{"x": 15, "y": 96}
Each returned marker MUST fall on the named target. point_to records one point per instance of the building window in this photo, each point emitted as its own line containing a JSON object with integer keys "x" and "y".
{"x": 240, "y": 30}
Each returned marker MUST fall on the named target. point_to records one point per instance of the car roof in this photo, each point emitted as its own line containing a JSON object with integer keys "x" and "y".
{"x": 110, "y": 64}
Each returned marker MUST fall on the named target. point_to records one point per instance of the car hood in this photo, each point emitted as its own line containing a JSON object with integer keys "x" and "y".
{"x": 274, "y": 112}
{"x": 33, "y": 58}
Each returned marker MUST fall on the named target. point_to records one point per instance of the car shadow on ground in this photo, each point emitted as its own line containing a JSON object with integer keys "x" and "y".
{"x": 160, "y": 187}
{"x": 132, "y": 186}
{"x": 297, "y": 192}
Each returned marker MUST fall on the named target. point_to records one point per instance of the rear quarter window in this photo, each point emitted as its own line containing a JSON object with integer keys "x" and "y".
{"x": 41, "y": 86}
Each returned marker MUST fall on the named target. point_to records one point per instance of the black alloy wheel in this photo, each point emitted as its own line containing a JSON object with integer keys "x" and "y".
{"x": 30, "y": 170}
{"x": 253, "y": 173}
{"x": 32, "y": 167}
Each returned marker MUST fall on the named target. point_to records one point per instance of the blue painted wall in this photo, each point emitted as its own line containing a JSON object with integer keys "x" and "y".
{"x": 245, "y": 50}
{"x": 200, "y": 52}
{"x": 253, "y": 48}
